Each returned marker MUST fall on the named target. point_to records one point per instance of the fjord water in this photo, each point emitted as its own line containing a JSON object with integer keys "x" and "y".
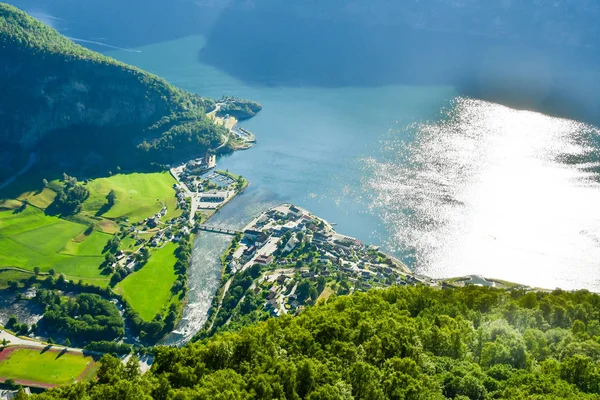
{"x": 452, "y": 185}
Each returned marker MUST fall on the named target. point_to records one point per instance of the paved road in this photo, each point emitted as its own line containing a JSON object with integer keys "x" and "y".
{"x": 14, "y": 340}
{"x": 194, "y": 203}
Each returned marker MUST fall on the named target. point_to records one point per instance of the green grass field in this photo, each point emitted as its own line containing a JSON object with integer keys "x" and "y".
{"x": 47, "y": 367}
{"x": 148, "y": 290}
{"x": 138, "y": 195}
{"x": 91, "y": 245}
{"x": 12, "y": 275}
{"x": 31, "y": 238}
{"x": 39, "y": 199}
{"x": 9, "y": 204}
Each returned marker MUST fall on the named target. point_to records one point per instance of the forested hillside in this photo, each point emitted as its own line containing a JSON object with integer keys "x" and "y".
{"x": 85, "y": 109}
{"x": 400, "y": 343}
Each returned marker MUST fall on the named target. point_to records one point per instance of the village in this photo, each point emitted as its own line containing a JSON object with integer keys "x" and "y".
{"x": 201, "y": 191}
{"x": 301, "y": 259}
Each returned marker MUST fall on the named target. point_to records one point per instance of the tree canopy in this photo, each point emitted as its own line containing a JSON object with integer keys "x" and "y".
{"x": 398, "y": 343}
{"x": 84, "y": 318}
{"x": 89, "y": 108}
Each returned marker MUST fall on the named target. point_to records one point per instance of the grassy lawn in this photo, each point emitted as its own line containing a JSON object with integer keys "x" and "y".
{"x": 39, "y": 199}
{"x": 148, "y": 290}
{"x": 47, "y": 367}
{"x": 12, "y": 275}
{"x": 128, "y": 243}
{"x": 138, "y": 195}
{"x": 327, "y": 291}
{"x": 9, "y": 204}
{"x": 31, "y": 238}
{"x": 87, "y": 246}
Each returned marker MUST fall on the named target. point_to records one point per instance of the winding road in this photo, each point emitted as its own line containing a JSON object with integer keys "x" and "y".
{"x": 32, "y": 160}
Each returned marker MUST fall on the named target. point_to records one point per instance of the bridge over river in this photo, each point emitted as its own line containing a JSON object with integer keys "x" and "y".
{"x": 216, "y": 229}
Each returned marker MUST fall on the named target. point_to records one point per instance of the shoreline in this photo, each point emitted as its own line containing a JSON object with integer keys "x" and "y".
{"x": 340, "y": 258}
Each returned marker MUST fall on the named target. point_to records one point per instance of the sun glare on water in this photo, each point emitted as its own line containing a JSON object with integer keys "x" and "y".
{"x": 493, "y": 191}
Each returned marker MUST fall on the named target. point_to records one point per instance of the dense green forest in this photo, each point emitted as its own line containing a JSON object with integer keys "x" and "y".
{"x": 399, "y": 343}
{"x": 87, "y": 108}
{"x": 238, "y": 108}
{"x": 82, "y": 319}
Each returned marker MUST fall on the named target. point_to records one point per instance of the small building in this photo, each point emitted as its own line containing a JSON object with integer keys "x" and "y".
{"x": 233, "y": 267}
{"x": 322, "y": 237}
{"x": 249, "y": 250}
{"x": 291, "y": 244}
{"x": 152, "y": 222}
{"x": 261, "y": 240}
{"x": 272, "y": 293}
{"x": 210, "y": 160}
{"x": 251, "y": 234}
{"x": 194, "y": 164}
{"x": 215, "y": 196}
{"x": 264, "y": 259}
{"x": 295, "y": 211}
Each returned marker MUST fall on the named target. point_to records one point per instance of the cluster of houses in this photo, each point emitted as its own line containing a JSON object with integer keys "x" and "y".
{"x": 291, "y": 241}
{"x": 172, "y": 230}
{"x": 153, "y": 221}
{"x": 208, "y": 190}
{"x": 125, "y": 260}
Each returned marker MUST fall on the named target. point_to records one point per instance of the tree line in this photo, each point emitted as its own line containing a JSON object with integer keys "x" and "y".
{"x": 399, "y": 343}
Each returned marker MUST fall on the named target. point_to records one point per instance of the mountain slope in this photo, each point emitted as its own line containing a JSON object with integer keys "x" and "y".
{"x": 399, "y": 343}
{"x": 85, "y": 109}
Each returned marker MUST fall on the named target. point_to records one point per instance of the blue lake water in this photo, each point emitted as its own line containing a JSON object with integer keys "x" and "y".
{"x": 453, "y": 186}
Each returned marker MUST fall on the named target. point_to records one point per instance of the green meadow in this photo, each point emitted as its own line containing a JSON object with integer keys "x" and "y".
{"x": 32, "y": 239}
{"x": 29, "y": 238}
{"x": 148, "y": 290}
{"x": 39, "y": 199}
{"x": 8, "y": 275}
{"x": 46, "y": 367}
{"x": 138, "y": 195}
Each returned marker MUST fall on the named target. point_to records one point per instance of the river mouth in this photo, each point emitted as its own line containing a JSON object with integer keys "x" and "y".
{"x": 204, "y": 273}
{"x": 452, "y": 186}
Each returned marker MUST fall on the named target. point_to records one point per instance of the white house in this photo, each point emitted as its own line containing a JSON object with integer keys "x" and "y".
{"x": 291, "y": 244}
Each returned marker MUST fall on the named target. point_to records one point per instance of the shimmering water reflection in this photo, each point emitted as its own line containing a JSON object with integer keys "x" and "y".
{"x": 493, "y": 191}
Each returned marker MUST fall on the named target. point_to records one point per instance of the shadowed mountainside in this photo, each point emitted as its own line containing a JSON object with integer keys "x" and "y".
{"x": 76, "y": 107}
{"x": 525, "y": 54}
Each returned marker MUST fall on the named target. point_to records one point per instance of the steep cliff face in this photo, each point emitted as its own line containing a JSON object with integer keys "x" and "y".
{"x": 59, "y": 93}
{"x": 53, "y": 89}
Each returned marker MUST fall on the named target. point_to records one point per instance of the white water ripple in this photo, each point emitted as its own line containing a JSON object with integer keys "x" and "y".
{"x": 493, "y": 191}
